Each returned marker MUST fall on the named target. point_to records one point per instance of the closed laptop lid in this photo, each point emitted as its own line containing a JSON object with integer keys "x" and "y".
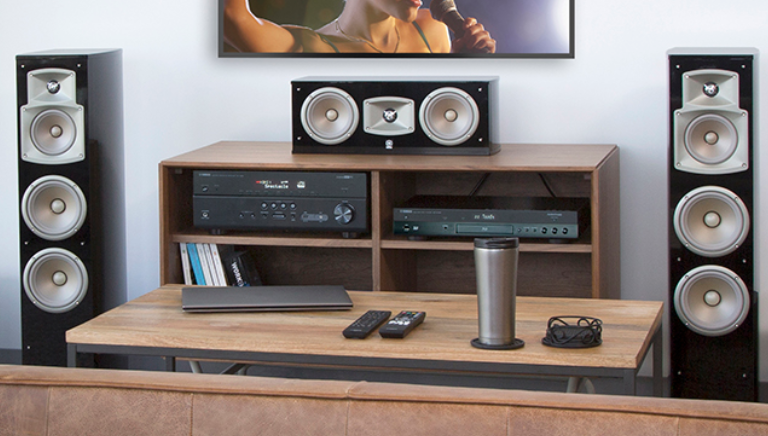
{"x": 264, "y": 298}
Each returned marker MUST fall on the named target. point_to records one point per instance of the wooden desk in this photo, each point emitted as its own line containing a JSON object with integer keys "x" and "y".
{"x": 154, "y": 324}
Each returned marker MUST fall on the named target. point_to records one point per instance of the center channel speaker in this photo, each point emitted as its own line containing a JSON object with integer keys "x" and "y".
{"x": 711, "y": 224}
{"x": 441, "y": 116}
{"x": 70, "y": 176}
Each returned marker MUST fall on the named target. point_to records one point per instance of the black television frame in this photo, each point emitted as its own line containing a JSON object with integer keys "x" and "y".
{"x": 570, "y": 54}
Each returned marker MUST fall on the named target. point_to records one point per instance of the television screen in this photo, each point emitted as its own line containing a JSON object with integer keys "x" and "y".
{"x": 397, "y": 28}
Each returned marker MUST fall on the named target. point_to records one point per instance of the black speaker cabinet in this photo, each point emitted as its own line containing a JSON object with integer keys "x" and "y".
{"x": 442, "y": 116}
{"x": 714, "y": 338}
{"x": 70, "y": 136}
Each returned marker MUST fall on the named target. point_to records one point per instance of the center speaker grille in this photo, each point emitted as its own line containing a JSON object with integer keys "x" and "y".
{"x": 456, "y": 116}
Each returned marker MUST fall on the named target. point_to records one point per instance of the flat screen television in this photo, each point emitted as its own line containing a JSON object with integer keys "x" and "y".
{"x": 344, "y": 28}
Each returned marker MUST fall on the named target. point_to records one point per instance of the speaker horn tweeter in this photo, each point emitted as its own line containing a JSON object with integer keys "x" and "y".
{"x": 389, "y": 116}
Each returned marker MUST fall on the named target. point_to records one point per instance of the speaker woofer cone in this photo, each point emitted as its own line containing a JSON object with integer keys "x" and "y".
{"x": 449, "y": 116}
{"x": 711, "y": 139}
{"x": 55, "y": 280}
{"x": 53, "y": 207}
{"x": 53, "y": 132}
{"x": 711, "y": 300}
{"x": 711, "y": 221}
{"x": 329, "y": 115}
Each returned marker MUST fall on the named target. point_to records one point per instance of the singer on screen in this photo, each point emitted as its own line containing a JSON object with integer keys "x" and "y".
{"x": 364, "y": 26}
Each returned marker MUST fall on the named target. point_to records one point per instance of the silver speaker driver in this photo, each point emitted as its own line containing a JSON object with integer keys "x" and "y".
{"x": 711, "y": 221}
{"x": 449, "y": 116}
{"x": 711, "y": 300}
{"x": 53, "y": 207}
{"x": 55, "y": 280}
{"x": 711, "y": 139}
{"x": 329, "y": 115}
{"x": 53, "y": 132}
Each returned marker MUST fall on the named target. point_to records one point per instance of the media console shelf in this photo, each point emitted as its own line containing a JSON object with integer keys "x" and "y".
{"x": 382, "y": 261}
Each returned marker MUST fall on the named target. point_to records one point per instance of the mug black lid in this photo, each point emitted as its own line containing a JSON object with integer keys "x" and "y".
{"x": 497, "y": 243}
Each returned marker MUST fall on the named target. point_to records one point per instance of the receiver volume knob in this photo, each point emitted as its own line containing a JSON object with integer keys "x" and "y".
{"x": 343, "y": 213}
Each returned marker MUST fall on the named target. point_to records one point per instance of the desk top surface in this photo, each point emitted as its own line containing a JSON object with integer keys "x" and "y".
{"x": 511, "y": 157}
{"x": 156, "y": 320}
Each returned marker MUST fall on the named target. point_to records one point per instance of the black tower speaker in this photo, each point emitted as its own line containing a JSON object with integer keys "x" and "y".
{"x": 711, "y": 224}
{"x": 442, "y": 116}
{"x": 70, "y": 165}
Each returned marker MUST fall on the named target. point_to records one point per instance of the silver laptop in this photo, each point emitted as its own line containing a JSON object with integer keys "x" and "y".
{"x": 264, "y": 298}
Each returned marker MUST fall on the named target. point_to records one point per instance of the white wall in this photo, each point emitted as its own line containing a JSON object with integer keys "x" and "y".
{"x": 179, "y": 96}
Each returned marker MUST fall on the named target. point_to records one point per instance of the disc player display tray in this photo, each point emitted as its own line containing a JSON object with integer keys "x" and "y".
{"x": 524, "y": 217}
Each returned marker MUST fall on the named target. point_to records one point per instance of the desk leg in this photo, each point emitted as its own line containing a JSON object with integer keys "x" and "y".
{"x": 658, "y": 365}
{"x": 575, "y": 384}
{"x": 71, "y": 355}
{"x": 170, "y": 363}
{"x": 630, "y": 382}
{"x": 194, "y": 365}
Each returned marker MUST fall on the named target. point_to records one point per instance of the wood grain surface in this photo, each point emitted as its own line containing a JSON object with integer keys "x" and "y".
{"x": 511, "y": 157}
{"x": 157, "y": 320}
{"x": 586, "y": 267}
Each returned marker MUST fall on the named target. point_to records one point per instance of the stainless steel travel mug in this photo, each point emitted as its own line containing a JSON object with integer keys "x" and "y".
{"x": 496, "y": 271}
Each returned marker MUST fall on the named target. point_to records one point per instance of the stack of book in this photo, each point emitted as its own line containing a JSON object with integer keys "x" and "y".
{"x": 213, "y": 265}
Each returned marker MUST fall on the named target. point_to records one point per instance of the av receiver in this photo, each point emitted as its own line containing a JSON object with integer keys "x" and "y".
{"x": 280, "y": 200}
{"x": 523, "y": 217}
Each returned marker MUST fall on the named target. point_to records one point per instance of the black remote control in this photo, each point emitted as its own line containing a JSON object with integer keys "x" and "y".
{"x": 402, "y": 324}
{"x": 368, "y": 322}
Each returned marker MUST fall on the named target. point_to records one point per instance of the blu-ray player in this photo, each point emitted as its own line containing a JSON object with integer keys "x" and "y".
{"x": 523, "y": 217}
